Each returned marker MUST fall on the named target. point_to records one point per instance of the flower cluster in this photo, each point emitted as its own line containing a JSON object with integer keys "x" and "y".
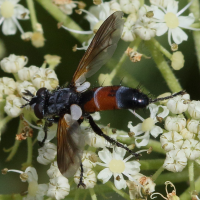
{"x": 26, "y": 78}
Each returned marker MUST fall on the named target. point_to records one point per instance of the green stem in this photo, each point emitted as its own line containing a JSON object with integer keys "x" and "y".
{"x": 16, "y": 144}
{"x": 163, "y": 67}
{"x": 4, "y": 121}
{"x": 92, "y": 194}
{"x": 31, "y": 8}
{"x": 191, "y": 175}
{"x": 194, "y": 8}
{"x": 11, "y": 197}
{"x": 153, "y": 164}
{"x": 157, "y": 173}
{"x": 120, "y": 192}
{"x": 187, "y": 194}
{"x": 30, "y": 150}
{"x": 77, "y": 194}
{"x": 162, "y": 49}
{"x": 61, "y": 17}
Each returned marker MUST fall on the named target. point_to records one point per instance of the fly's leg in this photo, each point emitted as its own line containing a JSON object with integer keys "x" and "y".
{"x": 81, "y": 183}
{"x": 99, "y": 132}
{"x": 45, "y": 128}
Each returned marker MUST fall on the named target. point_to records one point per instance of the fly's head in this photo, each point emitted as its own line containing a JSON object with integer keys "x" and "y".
{"x": 37, "y": 102}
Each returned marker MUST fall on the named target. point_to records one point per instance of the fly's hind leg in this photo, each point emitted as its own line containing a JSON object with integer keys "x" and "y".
{"x": 99, "y": 132}
{"x": 81, "y": 183}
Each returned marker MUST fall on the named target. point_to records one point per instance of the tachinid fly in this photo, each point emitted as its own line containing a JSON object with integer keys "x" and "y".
{"x": 68, "y": 106}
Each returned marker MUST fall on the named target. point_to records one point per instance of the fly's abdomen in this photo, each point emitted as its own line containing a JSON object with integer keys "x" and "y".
{"x": 113, "y": 97}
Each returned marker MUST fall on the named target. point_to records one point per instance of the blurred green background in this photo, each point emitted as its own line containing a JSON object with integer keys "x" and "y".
{"x": 60, "y": 42}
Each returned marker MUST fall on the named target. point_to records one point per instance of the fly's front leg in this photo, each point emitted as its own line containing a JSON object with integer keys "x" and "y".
{"x": 99, "y": 132}
{"x": 45, "y": 129}
{"x": 81, "y": 183}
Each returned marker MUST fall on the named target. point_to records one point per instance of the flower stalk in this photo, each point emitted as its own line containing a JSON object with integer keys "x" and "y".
{"x": 191, "y": 175}
{"x": 92, "y": 194}
{"x": 157, "y": 173}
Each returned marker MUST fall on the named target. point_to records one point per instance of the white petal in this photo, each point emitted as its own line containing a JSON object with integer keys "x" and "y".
{"x": 179, "y": 35}
{"x": 162, "y": 29}
{"x": 105, "y": 175}
{"x": 135, "y": 129}
{"x": 20, "y": 12}
{"x": 186, "y": 21}
{"x": 119, "y": 183}
{"x": 158, "y": 14}
{"x": 144, "y": 138}
{"x": 172, "y": 7}
{"x": 76, "y": 112}
{"x": 105, "y": 155}
{"x": 83, "y": 87}
{"x": 132, "y": 167}
{"x": 118, "y": 153}
{"x": 153, "y": 110}
{"x": 9, "y": 27}
{"x": 32, "y": 174}
{"x": 156, "y": 131}
{"x": 164, "y": 113}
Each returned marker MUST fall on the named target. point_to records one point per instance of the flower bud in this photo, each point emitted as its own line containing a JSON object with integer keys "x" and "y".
{"x": 53, "y": 171}
{"x": 37, "y": 39}
{"x": 7, "y": 86}
{"x": 177, "y": 123}
{"x": 193, "y": 126}
{"x": 187, "y": 134}
{"x": 194, "y": 109}
{"x": 177, "y": 60}
{"x": 89, "y": 159}
{"x": 128, "y": 6}
{"x": 13, "y": 63}
{"x": 26, "y": 73}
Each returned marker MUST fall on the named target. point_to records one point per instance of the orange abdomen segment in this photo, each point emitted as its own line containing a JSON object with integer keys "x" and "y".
{"x": 104, "y": 98}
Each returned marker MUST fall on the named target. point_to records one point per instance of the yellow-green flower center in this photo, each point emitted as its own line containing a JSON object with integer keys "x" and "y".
{"x": 171, "y": 20}
{"x": 32, "y": 188}
{"x": 148, "y": 124}
{"x": 7, "y": 9}
{"x": 116, "y": 166}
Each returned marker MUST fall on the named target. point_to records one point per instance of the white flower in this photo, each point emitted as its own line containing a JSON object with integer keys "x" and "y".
{"x": 187, "y": 134}
{"x": 51, "y": 134}
{"x": 138, "y": 191}
{"x": 114, "y": 6}
{"x": 193, "y": 126}
{"x": 166, "y": 94}
{"x": 96, "y": 116}
{"x": 13, "y": 63}
{"x": 97, "y": 141}
{"x": 163, "y": 3}
{"x": 194, "y": 109}
{"x": 35, "y": 191}
{"x": 89, "y": 177}
{"x": 129, "y": 6}
{"x": 45, "y": 78}
{"x": 128, "y": 33}
{"x": 58, "y": 188}
{"x": 89, "y": 159}
{"x": 26, "y": 73}
{"x": 145, "y": 27}
{"x": 67, "y": 8}
{"x": 177, "y": 105}
{"x": 10, "y": 11}
{"x": 191, "y": 148}
{"x": 171, "y": 21}
{"x": 176, "y": 123}
{"x": 177, "y": 60}
{"x": 175, "y": 160}
{"x": 148, "y": 125}
{"x": 7, "y": 86}
{"x": 47, "y": 153}
{"x": 116, "y": 165}
{"x": 13, "y": 106}
{"x": 53, "y": 171}
{"x": 171, "y": 140}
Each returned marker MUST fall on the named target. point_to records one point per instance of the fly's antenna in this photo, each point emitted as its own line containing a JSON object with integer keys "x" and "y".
{"x": 168, "y": 97}
{"x": 27, "y": 93}
{"x": 121, "y": 81}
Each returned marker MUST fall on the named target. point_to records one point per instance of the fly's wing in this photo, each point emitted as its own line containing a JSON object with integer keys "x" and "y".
{"x": 101, "y": 48}
{"x": 69, "y": 147}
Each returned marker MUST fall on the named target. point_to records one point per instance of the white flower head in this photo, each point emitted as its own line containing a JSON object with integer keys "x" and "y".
{"x": 13, "y": 63}
{"x": 169, "y": 19}
{"x": 35, "y": 191}
{"x": 7, "y": 86}
{"x": 13, "y": 106}
{"x": 47, "y": 153}
{"x": 26, "y": 73}
{"x": 193, "y": 126}
{"x": 10, "y": 12}
{"x": 129, "y": 6}
{"x": 128, "y": 33}
{"x": 194, "y": 109}
{"x": 89, "y": 177}
{"x": 171, "y": 140}
{"x": 148, "y": 125}
{"x": 117, "y": 166}
{"x": 145, "y": 188}
{"x": 177, "y": 105}
{"x": 145, "y": 27}
{"x": 45, "y": 78}
{"x": 58, "y": 188}
{"x": 89, "y": 159}
{"x": 53, "y": 171}
{"x": 176, "y": 123}
{"x": 191, "y": 148}
{"x": 187, "y": 134}
{"x": 175, "y": 160}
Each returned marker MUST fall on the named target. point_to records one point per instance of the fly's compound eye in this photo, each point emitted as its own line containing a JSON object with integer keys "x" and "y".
{"x": 41, "y": 92}
{"x": 38, "y": 110}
